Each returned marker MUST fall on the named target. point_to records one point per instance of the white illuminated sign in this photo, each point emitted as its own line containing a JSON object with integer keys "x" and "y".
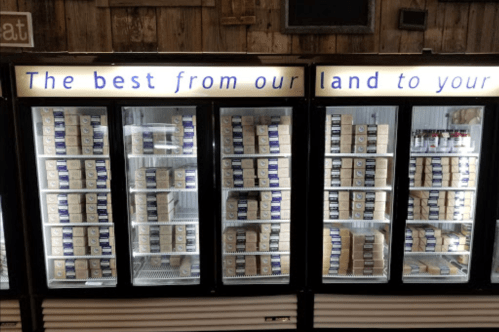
{"x": 391, "y": 81}
{"x": 159, "y": 81}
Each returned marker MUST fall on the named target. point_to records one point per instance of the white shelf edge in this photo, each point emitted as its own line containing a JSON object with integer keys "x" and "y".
{"x": 83, "y": 280}
{"x": 387, "y": 188}
{"x": 166, "y": 156}
{"x": 180, "y": 253}
{"x": 258, "y": 276}
{"x": 82, "y": 257}
{"x": 351, "y": 276}
{"x": 256, "y": 253}
{"x": 164, "y": 223}
{"x": 80, "y": 224}
{"x": 133, "y": 190}
{"x": 361, "y": 155}
{"x": 73, "y": 156}
{"x": 257, "y": 189}
{"x": 75, "y": 190}
{"x": 344, "y": 221}
{"x": 439, "y": 221}
{"x": 256, "y": 155}
{"x": 418, "y": 154}
{"x": 443, "y": 253}
{"x": 442, "y": 188}
{"x": 257, "y": 221}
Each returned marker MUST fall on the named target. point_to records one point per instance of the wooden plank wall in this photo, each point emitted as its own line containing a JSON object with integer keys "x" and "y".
{"x": 78, "y": 26}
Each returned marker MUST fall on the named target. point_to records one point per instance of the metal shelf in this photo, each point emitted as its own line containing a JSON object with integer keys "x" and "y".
{"x": 442, "y": 188}
{"x": 172, "y": 189}
{"x": 149, "y": 272}
{"x": 388, "y": 188}
{"x": 256, "y": 155}
{"x": 146, "y": 254}
{"x": 258, "y": 221}
{"x": 354, "y": 279}
{"x": 162, "y": 156}
{"x": 69, "y": 191}
{"x": 73, "y": 156}
{"x": 417, "y": 154}
{"x": 82, "y": 257}
{"x": 258, "y": 276}
{"x": 439, "y": 221}
{"x": 257, "y": 189}
{"x": 346, "y": 221}
{"x": 80, "y": 224}
{"x": 359, "y": 155}
{"x": 256, "y": 253}
{"x": 443, "y": 253}
{"x": 427, "y": 275}
{"x": 165, "y": 223}
{"x": 83, "y": 280}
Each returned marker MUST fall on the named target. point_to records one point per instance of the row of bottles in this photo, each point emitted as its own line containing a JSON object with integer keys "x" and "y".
{"x": 441, "y": 141}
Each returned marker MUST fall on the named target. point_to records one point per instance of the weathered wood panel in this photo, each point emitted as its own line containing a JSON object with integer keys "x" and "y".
{"x": 481, "y": 27}
{"x": 264, "y": 36}
{"x": 326, "y": 44}
{"x": 361, "y": 43}
{"x": 455, "y": 27}
{"x": 82, "y": 18}
{"x": 179, "y": 30}
{"x": 217, "y": 38}
{"x": 121, "y": 35}
{"x": 495, "y": 28}
{"x": 304, "y": 44}
{"x": 434, "y": 32}
{"x": 142, "y": 29}
{"x": 49, "y": 24}
{"x": 394, "y": 40}
{"x": 154, "y": 3}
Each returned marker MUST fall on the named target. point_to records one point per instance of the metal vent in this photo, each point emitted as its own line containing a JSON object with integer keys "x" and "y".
{"x": 183, "y": 314}
{"x": 343, "y": 311}
{"x": 10, "y": 317}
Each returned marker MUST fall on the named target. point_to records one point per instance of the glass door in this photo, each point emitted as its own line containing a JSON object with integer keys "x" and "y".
{"x": 74, "y": 178}
{"x": 495, "y": 262}
{"x": 443, "y": 173}
{"x": 162, "y": 177}
{"x": 256, "y": 196}
{"x": 358, "y": 179}
{"x": 4, "y": 270}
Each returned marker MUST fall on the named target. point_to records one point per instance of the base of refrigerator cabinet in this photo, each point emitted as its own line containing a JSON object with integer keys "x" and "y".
{"x": 354, "y": 279}
{"x": 258, "y": 279}
{"x": 460, "y": 277}
{"x": 79, "y": 283}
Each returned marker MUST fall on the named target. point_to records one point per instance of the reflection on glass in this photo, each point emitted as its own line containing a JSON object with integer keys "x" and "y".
{"x": 443, "y": 174}
{"x": 74, "y": 177}
{"x": 161, "y": 149}
{"x": 495, "y": 262}
{"x": 256, "y": 195}
{"x": 358, "y": 180}
{"x": 4, "y": 270}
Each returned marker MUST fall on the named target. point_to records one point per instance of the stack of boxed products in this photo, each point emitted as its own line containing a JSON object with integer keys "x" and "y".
{"x": 69, "y": 174}
{"x": 154, "y": 207}
{"x": 360, "y": 251}
{"x": 343, "y": 137}
{"x": 166, "y": 239}
{"x": 184, "y": 137}
{"x": 459, "y": 172}
{"x": 337, "y": 246}
{"x": 68, "y": 208}
{"x": 80, "y": 241}
{"x": 431, "y": 265}
{"x": 439, "y": 205}
{"x": 256, "y": 265}
{"x": 184, "y": 177}
{"x": 360, "y": 205}
{"x": 271, "y": 172}
{"x": 266, "y": 205}
{"x": 61, "y": 132}
{"x": 239, "y": 134}
{"x": 428, "y": 238}
{"x": 94, "y": 138}
{"x": 358, "y": 172}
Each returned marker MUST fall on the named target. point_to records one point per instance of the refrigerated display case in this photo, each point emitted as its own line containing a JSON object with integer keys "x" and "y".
{"x": 74, "y": 176}
{"x": 256, "y": 160}
{"x": 443, "y": 176}
{"x": 359, "y": 162}
{"x": 495, "y": 263}
{"x": 163, "y": 196}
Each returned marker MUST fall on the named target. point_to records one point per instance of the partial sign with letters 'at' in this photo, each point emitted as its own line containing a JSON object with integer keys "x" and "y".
{"x": 16, "y": 29}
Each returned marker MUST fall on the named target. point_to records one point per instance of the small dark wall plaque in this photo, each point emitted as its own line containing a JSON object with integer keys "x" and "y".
{"x": 413, "y": 19}
{"x": 328, "y": 16}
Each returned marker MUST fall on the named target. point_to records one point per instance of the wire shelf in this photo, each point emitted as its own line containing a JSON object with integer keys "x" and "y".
{"x": 133, "y": 190}
{"x": 179, "y": 253}
{"x": 257, "y": 155}
{"x": 442, "y": 188}
{"x": 149, "y": 272}
{"x": 69, "y": 191}
{"x": 439, "y": 221}
{"x": 256, "y": 253}
{"x": 359, "y": 155}
{"x": 161, "y": 156}
{"x": 258, "y": 221}
{"x": 387, "y": 188}
{"x": 257, "y": 276}
{"x": 427, "y": 275}
{"x": 443, "y": 253}
{"x": 80, "y": 224}
{"x": 347, "y": 221}
{"x": 257, "y": 189}
{"x": 84, "y": 280}
{"x": 417, "y": 154}
{"x": 82, "y": 257}
{"x": 73, "y": 156}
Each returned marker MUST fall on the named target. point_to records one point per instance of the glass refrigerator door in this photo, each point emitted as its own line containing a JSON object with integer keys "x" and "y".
{"x": 443, "y": 174}
{"x": 4, "y": 271}
{"x": 358, "y": 181}
{"x": 256, "y": 195}
{"x": 161, "y": 149}
{"x": 74, "y": 177}
{"x": 495, "y": 263}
